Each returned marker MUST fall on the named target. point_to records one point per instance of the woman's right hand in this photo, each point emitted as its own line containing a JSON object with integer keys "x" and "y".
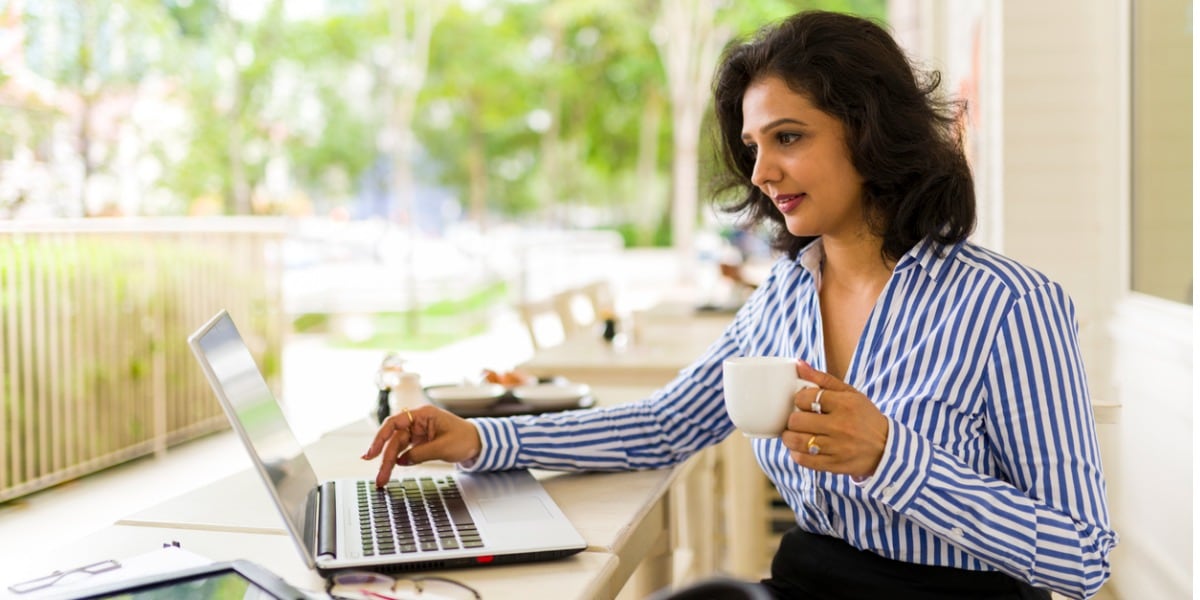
{"x": 427, "y": 433}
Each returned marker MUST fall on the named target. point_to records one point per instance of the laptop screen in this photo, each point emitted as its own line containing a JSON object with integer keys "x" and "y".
{"x": 232, "y": 369}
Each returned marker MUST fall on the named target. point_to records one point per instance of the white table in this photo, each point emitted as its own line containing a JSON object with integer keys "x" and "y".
{"x": 584, "y": 576}
{"x": 632, "y": 516}
{"x": 670, "y": 336}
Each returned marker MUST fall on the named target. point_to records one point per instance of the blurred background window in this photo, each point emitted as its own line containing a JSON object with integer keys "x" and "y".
{"x": 1161, "y": 233}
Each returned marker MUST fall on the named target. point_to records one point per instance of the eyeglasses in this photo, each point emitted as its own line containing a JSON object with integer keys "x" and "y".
{"x": 366, "y": 585}
{"x": 46, "y": 581}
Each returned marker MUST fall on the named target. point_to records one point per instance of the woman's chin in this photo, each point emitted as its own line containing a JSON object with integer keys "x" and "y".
{"x": 799, "y": 230}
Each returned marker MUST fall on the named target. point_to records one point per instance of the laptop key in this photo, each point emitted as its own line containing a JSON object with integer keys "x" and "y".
{"x": 416, "y": 515}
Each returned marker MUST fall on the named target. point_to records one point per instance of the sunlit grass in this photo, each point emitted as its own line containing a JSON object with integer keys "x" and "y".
{"x": 428, "y": 328}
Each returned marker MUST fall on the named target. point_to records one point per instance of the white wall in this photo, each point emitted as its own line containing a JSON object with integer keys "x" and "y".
{"x": 1152, "y": 499}
{"x": 1058, "y": 200}
{"x": 1066, "y": 210}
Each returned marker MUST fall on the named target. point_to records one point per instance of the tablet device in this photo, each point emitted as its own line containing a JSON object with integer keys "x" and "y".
{"x": 234, "y": 579}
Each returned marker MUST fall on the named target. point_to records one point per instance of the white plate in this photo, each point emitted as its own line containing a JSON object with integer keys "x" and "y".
{"x": 549, "y": 395}
{"x": 466, "y": 396}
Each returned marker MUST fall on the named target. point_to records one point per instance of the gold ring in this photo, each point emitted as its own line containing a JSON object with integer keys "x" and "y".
{"x": 813, "y": 448}
{"x": 411, "y": 420}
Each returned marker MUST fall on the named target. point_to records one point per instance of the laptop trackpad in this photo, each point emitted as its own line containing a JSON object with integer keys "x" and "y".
{"x": 508, "y": 510}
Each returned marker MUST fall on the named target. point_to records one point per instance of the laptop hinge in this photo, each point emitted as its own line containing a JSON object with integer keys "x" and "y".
{"x": 327, "y": 522}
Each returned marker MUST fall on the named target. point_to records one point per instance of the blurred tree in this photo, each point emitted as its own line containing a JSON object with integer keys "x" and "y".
{"x": 406, "y": 56}
{"x": 481, "y": 85}
{"x": 535, "y": 108}
{"x": 566, "y": 110}
{"x": 612, "y": 107}
{"x": 410, "y": 28}
{"x": 278, "y": 103}
{"x": 690, "y": 39}
{"x": 690, "y": 35}
{"x": 96, "y": 57}
{"x": 334, "y": 114}
{"x": 234, "y": 53}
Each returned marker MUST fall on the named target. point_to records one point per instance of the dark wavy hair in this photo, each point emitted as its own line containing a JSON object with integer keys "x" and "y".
{"x": 902, "y": 139}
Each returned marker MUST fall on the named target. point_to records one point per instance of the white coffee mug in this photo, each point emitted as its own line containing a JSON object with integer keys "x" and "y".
{"x": 760, "y": 393}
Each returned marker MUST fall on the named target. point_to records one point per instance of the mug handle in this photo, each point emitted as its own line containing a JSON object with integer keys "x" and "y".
{"x": 804, "y": 384}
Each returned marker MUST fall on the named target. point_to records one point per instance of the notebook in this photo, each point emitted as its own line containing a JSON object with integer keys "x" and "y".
{"x": 446, "y": 519}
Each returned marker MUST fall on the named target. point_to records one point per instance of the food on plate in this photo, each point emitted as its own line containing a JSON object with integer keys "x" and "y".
{"x": 508, "y": 379}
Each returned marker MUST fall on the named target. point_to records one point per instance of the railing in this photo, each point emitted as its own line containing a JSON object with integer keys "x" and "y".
{"x": 552, "y": 262}
{"x": 94, "y": 317}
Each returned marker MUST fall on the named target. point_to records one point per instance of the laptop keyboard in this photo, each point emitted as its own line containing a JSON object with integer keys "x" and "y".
{"x": 414, "y": 514}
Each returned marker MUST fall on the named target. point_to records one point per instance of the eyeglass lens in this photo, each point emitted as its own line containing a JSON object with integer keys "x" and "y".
{"x": 377, "y": 586}
{"x": 46, "y": 581}
{"x": 436, "y": 587}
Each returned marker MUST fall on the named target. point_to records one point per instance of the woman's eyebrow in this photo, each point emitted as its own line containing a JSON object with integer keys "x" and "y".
{"x": 773, "y": 125}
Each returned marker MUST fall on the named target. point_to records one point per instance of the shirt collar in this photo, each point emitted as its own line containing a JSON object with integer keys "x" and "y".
{"x": 931, "y": 257}
{"x": 811, "y": 257}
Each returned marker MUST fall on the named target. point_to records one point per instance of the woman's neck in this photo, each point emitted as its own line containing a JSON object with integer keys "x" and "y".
{"x": 855, "y": 263}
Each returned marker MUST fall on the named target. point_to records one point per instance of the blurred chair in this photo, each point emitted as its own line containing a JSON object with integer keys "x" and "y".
{"x": 600, "y": 296}
{"x": 576, "y": 310}
{"x": 543, "y": 322}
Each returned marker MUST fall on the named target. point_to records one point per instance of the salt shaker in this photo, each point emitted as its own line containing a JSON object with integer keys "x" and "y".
{"x": 407, "y": 392}
{"x": 387, "y": 378}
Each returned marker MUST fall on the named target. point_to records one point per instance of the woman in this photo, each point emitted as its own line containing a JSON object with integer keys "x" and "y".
{"x": 954, "y": 453}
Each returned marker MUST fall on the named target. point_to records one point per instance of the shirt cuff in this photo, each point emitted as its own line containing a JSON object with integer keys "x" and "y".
{"x": 902, "y": 470}
{"x": 498, "y": 446}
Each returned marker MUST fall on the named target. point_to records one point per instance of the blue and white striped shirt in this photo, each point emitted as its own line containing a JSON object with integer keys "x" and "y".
{"x": 991, "y": 462}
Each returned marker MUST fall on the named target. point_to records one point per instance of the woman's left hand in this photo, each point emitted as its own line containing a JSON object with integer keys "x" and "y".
{"x": 847, "y": 436}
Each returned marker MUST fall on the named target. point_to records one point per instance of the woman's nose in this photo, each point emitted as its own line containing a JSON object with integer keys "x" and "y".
{"x": 764, "y": 171}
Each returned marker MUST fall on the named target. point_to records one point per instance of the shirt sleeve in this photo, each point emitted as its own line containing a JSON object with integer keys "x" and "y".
{"x": 1048, "y": 524}
{"x": 682, "y": 418}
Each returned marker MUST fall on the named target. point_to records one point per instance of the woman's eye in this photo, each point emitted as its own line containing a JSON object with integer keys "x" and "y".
{"x": 787, "y": 138}
{"x": 752, "y": 149}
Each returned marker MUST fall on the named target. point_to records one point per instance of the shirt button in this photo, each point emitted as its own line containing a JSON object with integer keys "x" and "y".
{"x": 957, "y": 531}
{"x": 889, "y": 488}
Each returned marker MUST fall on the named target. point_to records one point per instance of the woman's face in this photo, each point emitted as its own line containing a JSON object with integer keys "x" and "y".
{"x": 801, "y": 161}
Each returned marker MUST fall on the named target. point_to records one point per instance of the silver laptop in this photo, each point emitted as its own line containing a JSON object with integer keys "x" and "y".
{"x": 446, "y": 520}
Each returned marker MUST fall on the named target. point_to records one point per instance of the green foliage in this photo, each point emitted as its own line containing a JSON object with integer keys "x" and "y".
{"x": 310, "y": 323}
{"x": 92, "y": 328}
{"x": 193, "y": 18}
{"x": 548, "y": 95}
{"x": 539, "y": 109}
{"x": 476, "y": 301}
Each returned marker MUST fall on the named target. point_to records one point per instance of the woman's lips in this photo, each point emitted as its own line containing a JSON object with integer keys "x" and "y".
{"x": 788, "y": 202}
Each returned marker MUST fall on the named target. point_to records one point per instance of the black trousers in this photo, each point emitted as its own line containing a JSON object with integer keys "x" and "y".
{"x": 818, "y": 567}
